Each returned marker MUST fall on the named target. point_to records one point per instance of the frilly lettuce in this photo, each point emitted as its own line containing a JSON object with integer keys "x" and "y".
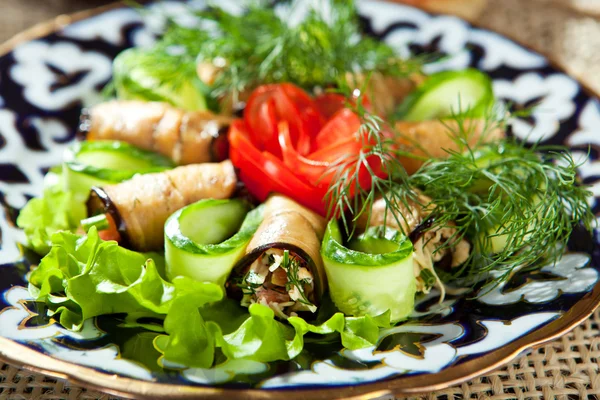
{"x": 192, "y": 339}
{"x": 56, "y": 211}
{"x": 84, "y": 277}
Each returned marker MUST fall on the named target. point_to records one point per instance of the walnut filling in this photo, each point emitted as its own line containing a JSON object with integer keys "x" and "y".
{"x": 280, "y": 280}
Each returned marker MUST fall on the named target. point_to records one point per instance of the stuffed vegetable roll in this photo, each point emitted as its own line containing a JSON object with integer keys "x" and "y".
{"x": 282, "y": 268}
{"x": 447, "y": 110}
{"x": 435, "y": 138}
{"x": 187, "y": 137}
{"x": 431, "y": 246}
{"x": 140, "y": 206}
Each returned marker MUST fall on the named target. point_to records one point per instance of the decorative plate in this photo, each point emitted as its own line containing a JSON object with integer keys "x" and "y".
{"x": 47, "y": 78}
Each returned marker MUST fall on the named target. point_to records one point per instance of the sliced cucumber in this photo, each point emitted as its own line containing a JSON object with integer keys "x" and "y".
{"x": 449, "y": 93}
{"x": 99, "y": 163}
{"x": 373, "y": 276}
{"x": 140, "y": 75}
{"x": 203, "y": 241}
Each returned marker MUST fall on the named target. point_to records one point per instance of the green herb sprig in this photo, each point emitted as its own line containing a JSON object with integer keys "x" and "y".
{"x": 291, "y": 267}
{"x": 527, "y": 199}
{"x": 346, "y": 198}
{"x": 260, "y": 46}
{"x": 516, "y": 205}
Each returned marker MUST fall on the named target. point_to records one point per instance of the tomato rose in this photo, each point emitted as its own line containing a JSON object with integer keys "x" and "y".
{"x": 289, "y": 143}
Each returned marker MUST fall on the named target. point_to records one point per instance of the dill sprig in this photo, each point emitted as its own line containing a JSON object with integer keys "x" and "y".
{"x": 291, "y": 267}
{"x": 379, "y": 158}
{"x": 346, "y": 198}
{"x": 516, "y": 205}
{"x": 260, "y": 46}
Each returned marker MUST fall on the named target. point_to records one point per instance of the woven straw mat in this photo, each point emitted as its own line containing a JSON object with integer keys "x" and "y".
{"x": 566, "y": 30}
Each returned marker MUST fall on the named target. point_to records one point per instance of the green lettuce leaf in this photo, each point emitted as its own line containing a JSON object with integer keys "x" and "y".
{"x": 191, "y": 342}
{"x": 56, "y": 210}
{"x": 84, "y": 277}
{"x": 260, "y": 337}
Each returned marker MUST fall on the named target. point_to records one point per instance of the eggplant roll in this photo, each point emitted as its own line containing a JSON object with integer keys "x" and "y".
{"x": 282, "y": 268}
{"x": 434, "y": 138}
{"x": 431, "y": 246}
{"x": 187, "y": 137}
{"x": 142, "y": 205}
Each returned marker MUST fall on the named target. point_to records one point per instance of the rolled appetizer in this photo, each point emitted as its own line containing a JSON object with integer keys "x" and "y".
{"x": 431, "y": 246}
{"x": 208, "y": 251}
{"x": 187, "y": 137}
{"x": 433, "y": 123}
{"x": 372, "y": 274}
{"x": 435, "y": 139}
{"x": 140, "y": 207}
{"x": 98, "y": 163}
{"x": 282, "y": 268}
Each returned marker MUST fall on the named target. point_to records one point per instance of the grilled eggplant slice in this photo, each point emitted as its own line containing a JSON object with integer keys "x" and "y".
{"x": 187, "y": 137}
{"x": 105, "y": 162}
{"x": 435, "y": 138}
{"x": 141, "y": 206}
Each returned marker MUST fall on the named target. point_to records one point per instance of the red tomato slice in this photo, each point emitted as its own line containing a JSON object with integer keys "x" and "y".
{"x": 311, "y": 170}
{"x": 110, "y": 233}
{"x": 263, "y": 173}
{"x": 342, "y": 126}
{"x": 320, "y": 167}
{"x": 269, "y": 104}
{"x": 330, "y": 103}
{"x": 291, "y": 144}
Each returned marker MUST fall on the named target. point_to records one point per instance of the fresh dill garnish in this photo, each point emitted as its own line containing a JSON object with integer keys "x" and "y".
{"x": 291, "y": 266}
{"x": 516, "y": 205}
{"x": 246, "y": 285}
{"x": 379, "y": 159}
{"x": 261, "y": 46}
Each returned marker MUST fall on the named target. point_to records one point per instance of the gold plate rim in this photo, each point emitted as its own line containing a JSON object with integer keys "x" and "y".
{"x": 17, "y": 354}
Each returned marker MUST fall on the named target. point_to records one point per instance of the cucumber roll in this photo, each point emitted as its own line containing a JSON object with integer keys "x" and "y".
{"x": 186, "y": 137}
{"x": 140, "y": 206}
{"x": 372, "y": 273}
{"x": 88, "y": 164}
{"x": 432, "y": 247}
{"x": 282, "y": 268}
{"x": 142, "y": 74}
{"x": 207, "y": 251}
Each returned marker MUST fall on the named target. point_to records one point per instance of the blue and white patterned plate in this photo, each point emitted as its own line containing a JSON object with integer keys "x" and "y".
{"x": 44, "y": 83}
